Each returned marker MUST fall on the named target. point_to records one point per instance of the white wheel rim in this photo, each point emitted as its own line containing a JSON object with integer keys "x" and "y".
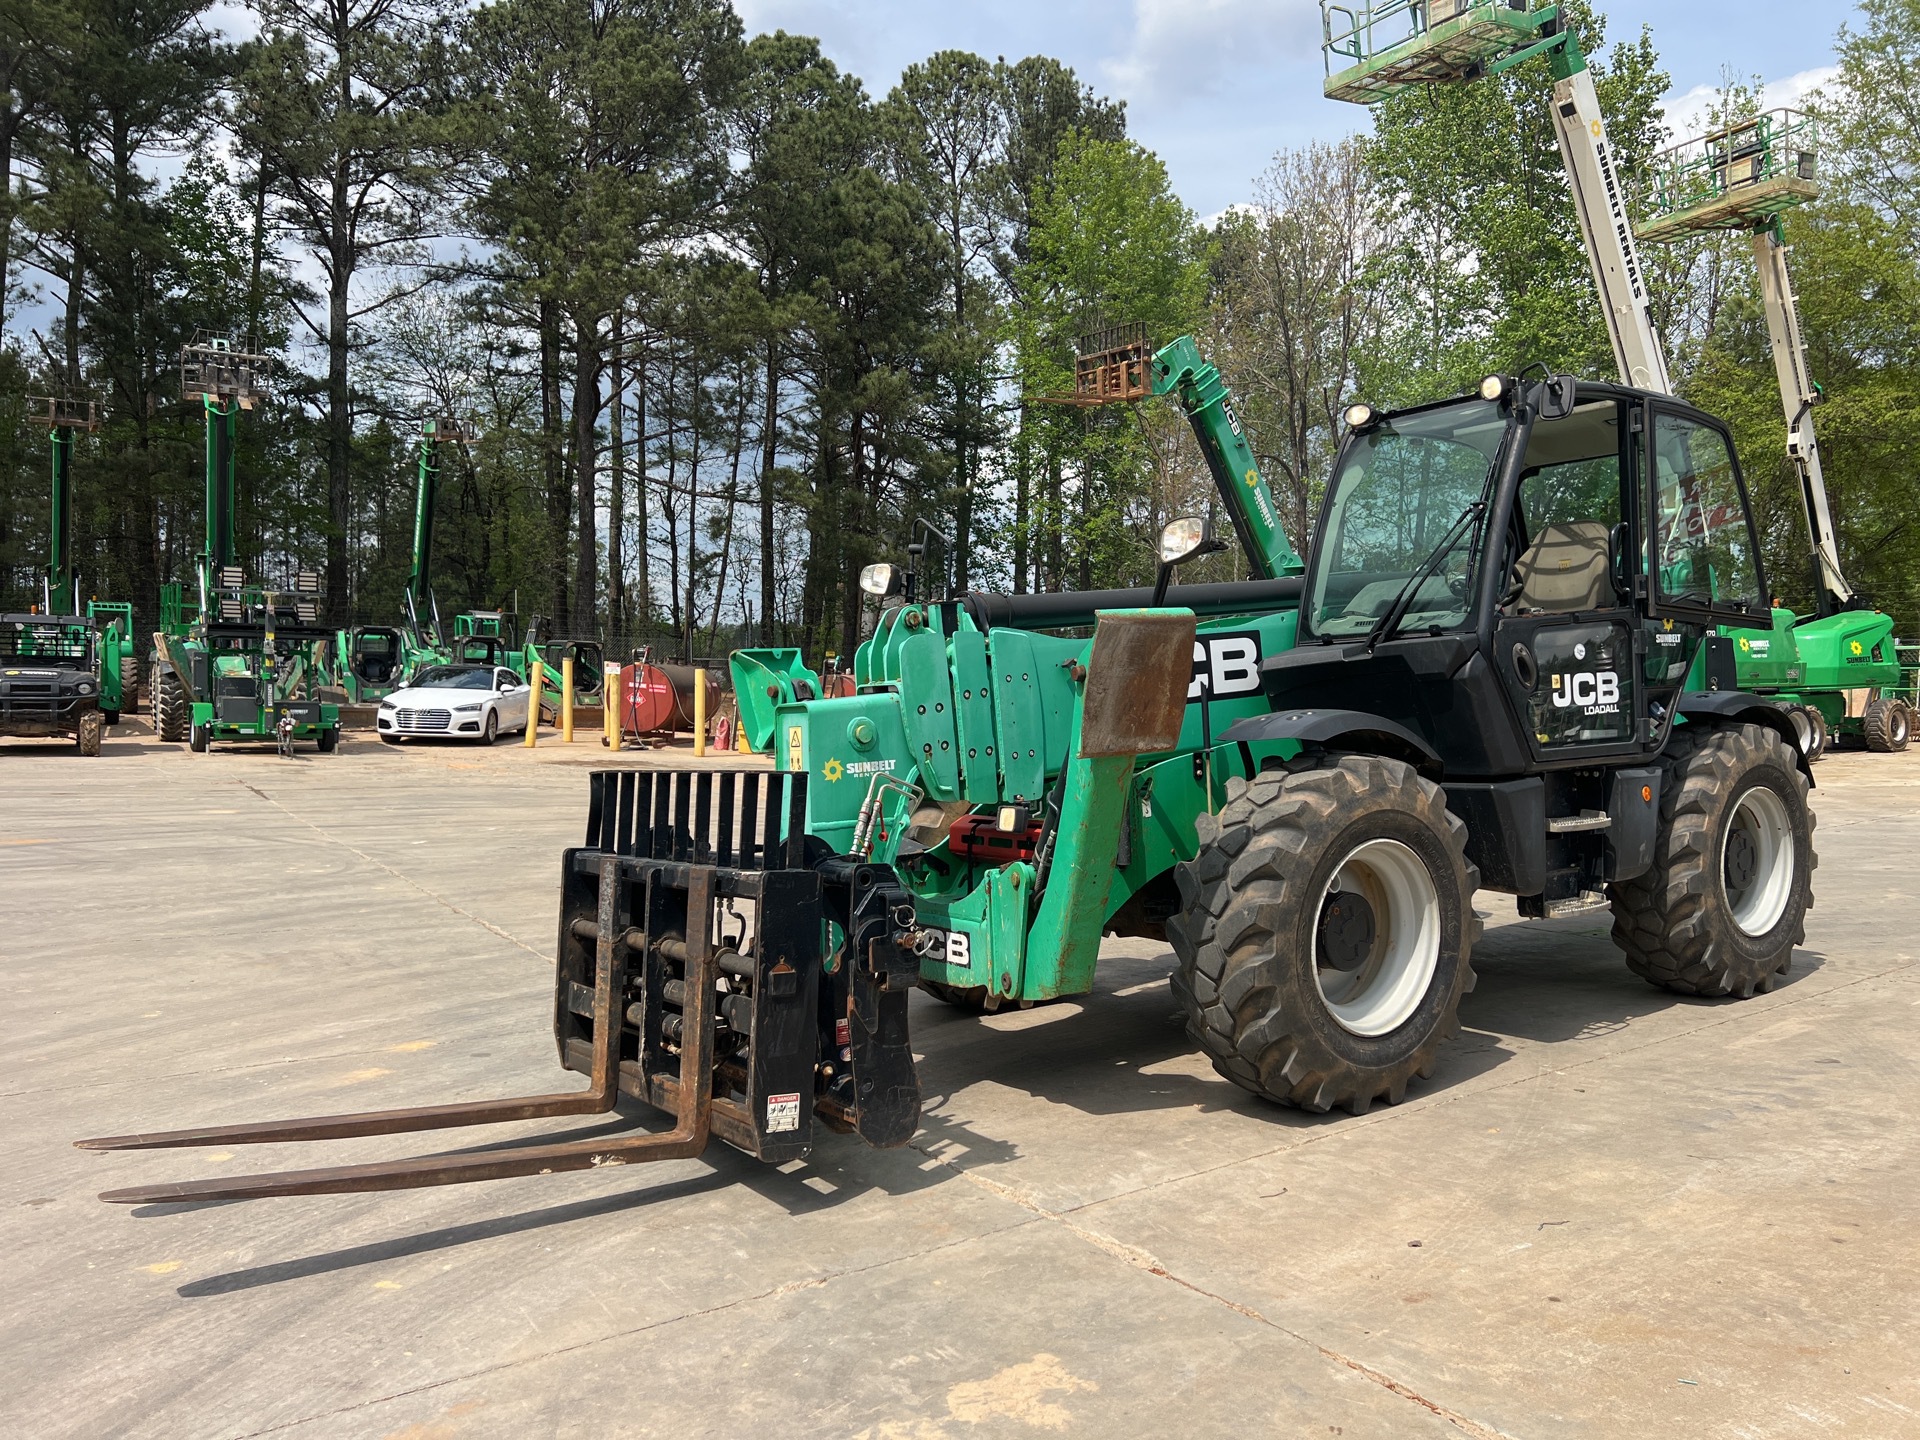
{"x": 1802, "y": 728}
{"x": 1760, "y": 830}
{"x": 1388, "y": 987}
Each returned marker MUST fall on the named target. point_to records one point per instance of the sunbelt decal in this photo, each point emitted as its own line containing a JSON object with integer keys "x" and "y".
{"x": 1590, "y": 692}
{"x": 1225, "y": 666}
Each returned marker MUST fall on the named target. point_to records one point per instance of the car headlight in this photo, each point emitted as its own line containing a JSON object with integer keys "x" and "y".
{"x": 85, "y": 687}
{"x": 388, "y": 705}
{"x": 467, "y": 709}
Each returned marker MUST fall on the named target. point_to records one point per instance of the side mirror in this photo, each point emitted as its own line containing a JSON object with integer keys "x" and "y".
{"x": 882, "y": 580}
{"x": 1182, "y": 540}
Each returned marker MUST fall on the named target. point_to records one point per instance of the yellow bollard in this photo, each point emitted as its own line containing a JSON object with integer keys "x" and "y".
{"x": 611, "y": 699}
{"x": 699, "y": 712}
{"x": 566, "y": 699}
{"x": 533, "y": 707}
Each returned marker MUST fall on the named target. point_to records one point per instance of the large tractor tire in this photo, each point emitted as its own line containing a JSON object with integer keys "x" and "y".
{"x": 1726, "y": 899}
{"x": 92, "y": 726}
{"x": 172, "y": 715}
{"x": 1326, "y": 932}
{"x": 1886, "y": 725}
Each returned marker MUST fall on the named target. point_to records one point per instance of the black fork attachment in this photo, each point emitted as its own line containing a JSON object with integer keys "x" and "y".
{"x": 691, "y": 974}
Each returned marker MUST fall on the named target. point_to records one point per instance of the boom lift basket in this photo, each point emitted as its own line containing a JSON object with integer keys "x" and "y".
{"x": 1738, "y": 177}
{"x": 1392, "y": 45}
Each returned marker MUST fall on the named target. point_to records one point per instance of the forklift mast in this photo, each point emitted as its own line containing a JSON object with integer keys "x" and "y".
{"x": 60, "y": 585}
{"x": 1393, "y": 45}
{"x": 419, "y": 589}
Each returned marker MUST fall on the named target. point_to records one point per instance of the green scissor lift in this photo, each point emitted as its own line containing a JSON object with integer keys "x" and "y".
{"x": 236, "y": 661}
{"x": 1837, "y": 667}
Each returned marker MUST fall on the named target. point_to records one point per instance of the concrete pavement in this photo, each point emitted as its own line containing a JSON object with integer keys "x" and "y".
{"x": 1613, "y": 1211}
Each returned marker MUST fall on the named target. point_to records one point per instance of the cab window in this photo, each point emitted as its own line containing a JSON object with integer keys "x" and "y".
{"x": 1703, "y": 551}
{"x": 1564, "y": 539}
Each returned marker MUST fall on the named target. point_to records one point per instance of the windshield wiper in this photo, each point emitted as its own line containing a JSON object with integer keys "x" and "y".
{"x": 1390, "y": 618}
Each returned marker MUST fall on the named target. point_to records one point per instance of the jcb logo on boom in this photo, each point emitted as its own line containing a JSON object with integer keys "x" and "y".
{"x": 1593, "y": 693}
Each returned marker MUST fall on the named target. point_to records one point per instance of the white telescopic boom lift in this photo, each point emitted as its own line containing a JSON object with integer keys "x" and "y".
{"x": 1744, "y": 176}
{"x": 1395, "y": 44}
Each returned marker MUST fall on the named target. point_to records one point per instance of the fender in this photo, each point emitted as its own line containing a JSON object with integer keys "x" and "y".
{"x": 1340, "y": 730}
{"x": 1738, "y": 707}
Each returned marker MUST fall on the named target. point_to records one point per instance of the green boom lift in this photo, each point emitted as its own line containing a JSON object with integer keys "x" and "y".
{"x": 368, "y": 662}
{"x": 64, "y": 670}
{"x": 236, "y": 662}
{"x": 1837, "y": 668}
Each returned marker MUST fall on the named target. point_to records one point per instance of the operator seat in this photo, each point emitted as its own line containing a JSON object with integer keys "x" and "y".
{"x": 1565, "y": 569}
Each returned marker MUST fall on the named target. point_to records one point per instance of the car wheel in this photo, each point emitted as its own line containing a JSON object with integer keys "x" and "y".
{"x": 491, "y": 731}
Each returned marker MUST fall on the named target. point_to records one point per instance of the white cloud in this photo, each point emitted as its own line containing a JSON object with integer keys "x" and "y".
{"x": 1687, "y": 114}
{"x": 1181, "y": 48}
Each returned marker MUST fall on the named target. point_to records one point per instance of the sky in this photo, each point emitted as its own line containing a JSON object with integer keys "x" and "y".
{"x": 1215, "y": 87}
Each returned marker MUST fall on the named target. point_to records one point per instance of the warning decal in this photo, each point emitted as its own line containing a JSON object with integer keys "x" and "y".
{"x": 783, "y": 1113}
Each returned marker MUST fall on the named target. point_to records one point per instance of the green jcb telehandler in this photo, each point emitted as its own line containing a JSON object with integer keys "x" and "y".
{"x": 65, "y": 671}
{"x": 1300, "y": 780}
{"x": 237, "y": 661}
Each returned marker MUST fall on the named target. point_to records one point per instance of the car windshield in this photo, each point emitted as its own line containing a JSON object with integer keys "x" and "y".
{"x": 1403, "y": 490}
{"x": 453, "y": 677}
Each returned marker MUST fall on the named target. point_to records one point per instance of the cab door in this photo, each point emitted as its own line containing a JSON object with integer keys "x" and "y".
{"x": 1565, "y": 634}
{"x": 1701, "y": 553}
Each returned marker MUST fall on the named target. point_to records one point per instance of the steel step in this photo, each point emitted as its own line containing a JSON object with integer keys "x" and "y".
{"x": 1585, "y": 820}
{"x": 1576, "y": 905}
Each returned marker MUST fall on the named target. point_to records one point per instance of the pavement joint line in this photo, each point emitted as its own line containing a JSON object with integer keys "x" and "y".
{"x": 811, "y": 1282}
{"x": 235, "y": 1069}
{"x": 1145, "y": 1261}
{"x": 430, "y": 893}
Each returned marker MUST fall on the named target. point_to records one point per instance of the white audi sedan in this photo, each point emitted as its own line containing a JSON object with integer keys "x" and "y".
{"x": 465, "y": 702}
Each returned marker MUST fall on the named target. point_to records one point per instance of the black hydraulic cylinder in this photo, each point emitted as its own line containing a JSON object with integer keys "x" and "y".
{"x": 1078, "y": 607}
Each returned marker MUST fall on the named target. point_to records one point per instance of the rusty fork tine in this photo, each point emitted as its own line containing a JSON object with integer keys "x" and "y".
{"x": 687, "y": 1139}
{"x": 608, "y": 990}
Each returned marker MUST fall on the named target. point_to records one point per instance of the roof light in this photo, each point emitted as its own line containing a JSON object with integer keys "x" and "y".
{"x": 1358, "y": 416}
{"x": 1495, "y": 387}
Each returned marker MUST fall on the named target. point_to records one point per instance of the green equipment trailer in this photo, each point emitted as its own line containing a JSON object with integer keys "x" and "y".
{"x": 65, "y": 669}
{"x": 1836, "y": 670}
{"x": 236, "y": 662}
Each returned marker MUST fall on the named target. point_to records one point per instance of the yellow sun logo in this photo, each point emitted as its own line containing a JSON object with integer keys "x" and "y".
{"x": 1856, "y": 647}
{"x": 1253, "y": 478}
{"x": 1745, "y": 644}
{"x": 833, "y": 770}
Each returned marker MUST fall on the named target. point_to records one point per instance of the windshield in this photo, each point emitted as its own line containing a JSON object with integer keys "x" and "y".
{"x": 1403, "y": 489}
{"x": 453, "y": 677}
